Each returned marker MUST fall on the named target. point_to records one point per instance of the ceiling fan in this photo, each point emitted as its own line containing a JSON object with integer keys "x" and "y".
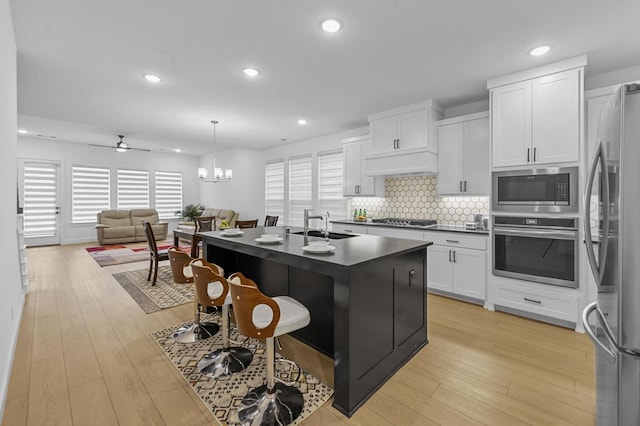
{"x": 121, "y": 146}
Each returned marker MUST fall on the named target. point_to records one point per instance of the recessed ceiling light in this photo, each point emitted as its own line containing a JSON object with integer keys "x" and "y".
{"x": 22, "y": 132}
{"x": 302, "y": 122}
{"x": 331, "y": 25}
{"x": 152, "y": 78}
{"x": 250, "y": 72}
{"x": 177, "y": 150}
{"x": 540, "y": 50}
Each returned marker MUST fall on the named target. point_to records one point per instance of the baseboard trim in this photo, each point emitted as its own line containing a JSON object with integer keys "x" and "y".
{"x": 5, "y": 385}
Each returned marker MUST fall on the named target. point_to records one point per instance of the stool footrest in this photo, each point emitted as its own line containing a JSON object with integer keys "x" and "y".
{"x": 225, "y": 362}
{"x": 196, "y": 332}
{"x": 259, "y": 407}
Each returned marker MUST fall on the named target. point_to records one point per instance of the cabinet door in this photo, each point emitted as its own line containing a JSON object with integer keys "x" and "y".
{"x": 556, "y": 117}
{"x": 367, "y": 183}
{"x": 413, "y": 130}
{"x": 383, "y": 134}
{"x": 450, "y": 145}
{"x": 351, "y": 168}
{"x": 470, "y": 273}
{"x": 439, "y": 268}
{"x": 511, "y": 124}
{"x": 409, "y": 293}
{"x": 475, "y": 154}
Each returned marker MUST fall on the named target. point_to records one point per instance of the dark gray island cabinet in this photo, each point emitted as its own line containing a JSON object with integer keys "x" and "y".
{"x": 367, "y": 299}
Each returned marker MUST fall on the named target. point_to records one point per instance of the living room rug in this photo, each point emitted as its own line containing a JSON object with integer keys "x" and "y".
{"x": 223, "y": 395}
{"x": 117, "y": 254}
{"x": 165, "y": 294}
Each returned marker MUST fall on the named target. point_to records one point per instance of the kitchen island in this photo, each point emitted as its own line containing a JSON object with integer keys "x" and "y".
{"x": 367, "y": 299}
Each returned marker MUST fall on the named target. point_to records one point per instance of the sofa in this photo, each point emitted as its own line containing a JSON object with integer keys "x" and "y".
{"x": 125, "y": 226}
{"x": 221, "y": 214}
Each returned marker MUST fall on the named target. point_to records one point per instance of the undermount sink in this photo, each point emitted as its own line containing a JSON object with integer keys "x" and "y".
{"x": 332, "y": 235}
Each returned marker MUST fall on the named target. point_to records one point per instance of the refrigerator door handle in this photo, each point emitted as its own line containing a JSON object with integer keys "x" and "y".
{"x": 585, "y": 322}
{"x": 597, "y": 268}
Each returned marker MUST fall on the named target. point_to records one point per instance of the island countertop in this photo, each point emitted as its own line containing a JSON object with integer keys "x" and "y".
{"x": 351, "y": 251}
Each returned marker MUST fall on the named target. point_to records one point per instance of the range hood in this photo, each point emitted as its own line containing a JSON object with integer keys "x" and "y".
{"x": 408, "y": 162}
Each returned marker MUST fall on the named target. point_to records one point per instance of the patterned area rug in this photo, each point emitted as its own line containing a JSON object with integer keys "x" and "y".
{"x": 223, "y": 395}
{"x": 165, "y": 294}
{"x": 117, "y": 254}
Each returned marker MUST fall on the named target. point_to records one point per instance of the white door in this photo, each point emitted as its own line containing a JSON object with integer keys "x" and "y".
{"x": 450, "y": 158}
{"x": 40, "y": 201}
{"x": 469, "y": 273}
{"x": 556, "y": 117}
{"x": 476, "y": 157}
{"x": 351, "y": 168}
{"x": 439, "y": 270}
{"x": 511, "y": 124}
{"x": 412, "y": 129}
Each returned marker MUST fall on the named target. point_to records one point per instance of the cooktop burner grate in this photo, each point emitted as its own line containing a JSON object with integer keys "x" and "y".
{"x": 406, "y": 222}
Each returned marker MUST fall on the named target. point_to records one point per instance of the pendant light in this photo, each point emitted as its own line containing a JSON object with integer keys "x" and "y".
{"x": 218, "y": 174}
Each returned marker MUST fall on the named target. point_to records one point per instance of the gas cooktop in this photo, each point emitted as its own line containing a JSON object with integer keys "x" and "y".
{"x": 406, "y": 222}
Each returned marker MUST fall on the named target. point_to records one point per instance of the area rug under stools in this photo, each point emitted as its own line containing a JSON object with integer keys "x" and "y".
{"x": 223, "y": 395}
{"x": 165, "y": 294}
{"x": 117, "y": 254}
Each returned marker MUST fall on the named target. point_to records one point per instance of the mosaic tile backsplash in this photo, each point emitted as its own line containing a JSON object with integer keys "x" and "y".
{"x": 417, "y": 197}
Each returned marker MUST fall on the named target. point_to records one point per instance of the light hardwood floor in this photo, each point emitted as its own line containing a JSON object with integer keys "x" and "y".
{"x": 85, "y": 357}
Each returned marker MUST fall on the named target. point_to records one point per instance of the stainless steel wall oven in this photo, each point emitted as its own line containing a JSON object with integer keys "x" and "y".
{"x": 539, "y": 249}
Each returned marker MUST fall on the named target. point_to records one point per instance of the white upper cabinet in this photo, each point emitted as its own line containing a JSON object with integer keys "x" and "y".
{"x": 537, "y": 120}
{"x": 463, "y": 160}
{"x": 403, "y": 140}
{"x": 355, "y": 182}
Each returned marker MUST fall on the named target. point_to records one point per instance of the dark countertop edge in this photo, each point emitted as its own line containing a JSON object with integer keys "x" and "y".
{"x": 438, "y": 228}
{"x": 252, "y": 248}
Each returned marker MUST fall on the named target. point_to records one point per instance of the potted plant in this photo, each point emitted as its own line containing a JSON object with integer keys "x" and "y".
{"x": 191, "y": 211}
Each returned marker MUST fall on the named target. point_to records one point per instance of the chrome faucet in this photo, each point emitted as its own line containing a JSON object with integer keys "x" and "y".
{"x": 306, "y": 221}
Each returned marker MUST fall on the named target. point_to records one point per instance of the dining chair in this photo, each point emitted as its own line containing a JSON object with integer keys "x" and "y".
{"x": 247, "y": 223}
{"x": 155, "y": 255}
{"x": 205, "y": 223}
{"x": 270, "y": 220}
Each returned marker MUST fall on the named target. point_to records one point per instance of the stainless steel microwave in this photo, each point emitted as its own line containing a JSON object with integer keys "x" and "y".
{"x": 550, "y": 190}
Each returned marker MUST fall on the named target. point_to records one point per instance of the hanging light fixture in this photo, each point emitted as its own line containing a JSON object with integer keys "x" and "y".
{"x": 218, "y": 174}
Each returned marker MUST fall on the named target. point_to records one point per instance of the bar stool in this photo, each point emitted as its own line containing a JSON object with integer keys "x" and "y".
{"x": 180, "y": 269}
{"x": 198, "y": 330}
{"x": 263, "y": 317}
{"x": 212, "y": 289}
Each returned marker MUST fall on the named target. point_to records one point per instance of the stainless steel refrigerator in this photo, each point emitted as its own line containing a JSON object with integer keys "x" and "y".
{"x": 612, "y": 233}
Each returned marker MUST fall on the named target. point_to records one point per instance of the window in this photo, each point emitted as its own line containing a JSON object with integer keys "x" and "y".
{"x": 90, "y": 193}
{"x": 168, "y": 194}
{"x": 330, "y": 185}
{"x": 133, "y": 189}
{"x": 274, "y": 190}
{"x": 300, "y": 189}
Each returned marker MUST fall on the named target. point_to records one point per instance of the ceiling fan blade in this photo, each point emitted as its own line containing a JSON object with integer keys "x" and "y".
{"x": 101, "y": 146}
{"x": 140, "y": 149}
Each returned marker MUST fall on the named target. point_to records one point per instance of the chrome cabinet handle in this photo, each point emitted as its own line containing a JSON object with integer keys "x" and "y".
{"x": 465, "y": 186}
{"x": 534, "y": 154}
{"x": 453, "y": 241}
{"x": 397, "y": 143}
{"x": 449, "y": 255}
{"x": 454, "y": 256}
{"x": 460, "y": 186}
{"x": 532, "y": 300}
{"x": 528, "y": 152}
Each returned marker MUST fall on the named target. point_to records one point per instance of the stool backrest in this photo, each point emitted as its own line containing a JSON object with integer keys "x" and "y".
{"x": 247, "y": 223}
{"x": 206, "y": 274}
{"x": 179, "y": 260}
{"x": 245, "y": 297}
{"x": 270, "y": 220}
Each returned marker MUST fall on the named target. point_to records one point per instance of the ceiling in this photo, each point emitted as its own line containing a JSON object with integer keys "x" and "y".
{"x": 81, "y": 62}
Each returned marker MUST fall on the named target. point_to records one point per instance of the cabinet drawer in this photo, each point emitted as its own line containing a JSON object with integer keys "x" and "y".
{"x": 409, "y": 234}
{"x": 349, "y": 228}
{"x": 529, "y": 299}
{"x": 457, "y": 239}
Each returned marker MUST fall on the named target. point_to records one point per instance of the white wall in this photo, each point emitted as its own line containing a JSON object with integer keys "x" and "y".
{"x": 245, "y": 192}
{"x": 11, "y": 296}
{"x": 70, "y": 154}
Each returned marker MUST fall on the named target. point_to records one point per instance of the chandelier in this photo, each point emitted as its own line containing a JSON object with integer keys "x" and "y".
{"x": 218, "y": 174}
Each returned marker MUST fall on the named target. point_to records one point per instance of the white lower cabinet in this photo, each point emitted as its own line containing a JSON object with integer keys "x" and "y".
{"x": 409, "y": 234}
{"x": 458, "y": 271}
{"x": 348, "y": 228}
